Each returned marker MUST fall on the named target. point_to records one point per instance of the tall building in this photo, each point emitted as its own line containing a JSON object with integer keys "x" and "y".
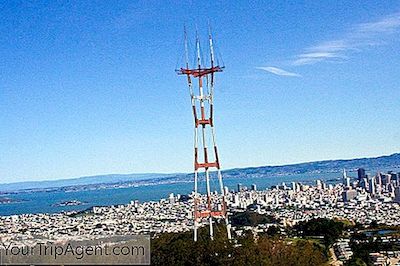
{"x": 226, "y": 190}
{"x": 346, "y": 179}
{"x": 397, "y": 194}
{"x": 254, "y": 187}
{"x": 349, "y": 195}
{"x": 364, "y": 183}
{"x": 236, "y": 200}
{"x": 294, "y": 186}
{"x": 318, "y": 184}
{"x": 171, "y": 198}
{"x": 378, "y": 178}
{"x": 393, "y": 178}
{"x": 390, "y": 188}
{"x": 385, "y": 179}
{"x": 372, "y": 186}
{"x": 360, "y": 173}
{"x": 239, "y": 187}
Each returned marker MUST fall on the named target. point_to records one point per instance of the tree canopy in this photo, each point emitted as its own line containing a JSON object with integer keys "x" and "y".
{"x": 329, "y": 229}
{"x": 180, "y": 249}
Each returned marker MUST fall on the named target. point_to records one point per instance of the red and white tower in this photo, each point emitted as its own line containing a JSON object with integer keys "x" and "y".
{"x": 200, "y": 79}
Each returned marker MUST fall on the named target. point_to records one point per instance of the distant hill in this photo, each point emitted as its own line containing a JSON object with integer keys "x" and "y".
{"x": 390, "y": 162}
{"x": 80, "y": 181}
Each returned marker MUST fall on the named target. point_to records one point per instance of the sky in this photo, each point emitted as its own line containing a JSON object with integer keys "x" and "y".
{"x": 89, "y": 87}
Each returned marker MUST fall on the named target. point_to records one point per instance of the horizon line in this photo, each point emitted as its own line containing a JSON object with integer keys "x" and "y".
{"x": 177, "y": 173}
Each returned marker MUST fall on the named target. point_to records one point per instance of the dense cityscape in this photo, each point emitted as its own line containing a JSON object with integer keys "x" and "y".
{"x": 364, "y": 200}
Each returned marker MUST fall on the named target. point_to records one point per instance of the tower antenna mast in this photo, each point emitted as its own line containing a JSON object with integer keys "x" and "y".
{"x": 214, "y": 206}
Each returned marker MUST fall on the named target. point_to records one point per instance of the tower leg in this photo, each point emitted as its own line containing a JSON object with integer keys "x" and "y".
{"x": 209, "y": 203}
{"x": 221, "y": 185}
{"x": 211, "y": 229}
{"x": 228, "y": 227}
{"x": 195, "y": 207}
{"x": 195, "y": 231}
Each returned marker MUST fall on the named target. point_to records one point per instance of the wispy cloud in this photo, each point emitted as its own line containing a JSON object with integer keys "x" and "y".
{"x": 318, "y": 55}
{"x": 357, "y": 38}
{"x": 279, "y": 71}
{"x": 389, "y": 24}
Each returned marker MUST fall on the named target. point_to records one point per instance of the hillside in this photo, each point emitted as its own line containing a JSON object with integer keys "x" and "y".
{"x": 381, "y": 163}
{"x": 329, "y": 166}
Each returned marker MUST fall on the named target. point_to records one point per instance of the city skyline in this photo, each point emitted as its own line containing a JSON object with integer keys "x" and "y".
{"x": 86, "y": 88}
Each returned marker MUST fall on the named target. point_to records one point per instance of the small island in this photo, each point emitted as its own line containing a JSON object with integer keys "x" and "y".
{"x": 5, "y": 200}
{"x": 69, "y": 203}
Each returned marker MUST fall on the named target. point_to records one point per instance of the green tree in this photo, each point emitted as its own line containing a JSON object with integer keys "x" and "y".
{"x": 250, "y": 218}
{"x": 180, "y": 249}
{"x": 329, "y": 229}
{"x": 273, "y": 230}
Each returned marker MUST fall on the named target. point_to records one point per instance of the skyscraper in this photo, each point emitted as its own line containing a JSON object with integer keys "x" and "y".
{"x": 364, "y": 183}
{"x": 349, "y": 195}
{"x": 171, "y": 198}
{"x": 378, "y": 178}
{"x": 393, "y": 178}
{"x": 346, "y": 179}
{"x": 360, "y": 173}
{"x": 318, "y": 184}
{"x": 294, "y": 186}
{"x": 226, "y": 189}
{"x": 397, "y": 194}
{"x": 385, "y": 179}
{"x": 372, "y": 186}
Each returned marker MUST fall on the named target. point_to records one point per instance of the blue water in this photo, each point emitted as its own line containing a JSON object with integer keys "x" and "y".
{"x": 41, "y": 202}
{"x": 379, "y": 232}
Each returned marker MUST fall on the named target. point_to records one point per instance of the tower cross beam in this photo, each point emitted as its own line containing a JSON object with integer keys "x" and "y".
{"x": 199, "y": 72}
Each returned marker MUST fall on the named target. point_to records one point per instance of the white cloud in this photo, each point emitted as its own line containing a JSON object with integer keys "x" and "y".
{"x": 388, "y": 24}
{"x": 316, "y": 56}
{"x": 355, "y": 39}
{"x": 279, "y": 72}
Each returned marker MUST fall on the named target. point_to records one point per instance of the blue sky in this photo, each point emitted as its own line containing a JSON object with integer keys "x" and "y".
{"x": 89, "y": 87}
